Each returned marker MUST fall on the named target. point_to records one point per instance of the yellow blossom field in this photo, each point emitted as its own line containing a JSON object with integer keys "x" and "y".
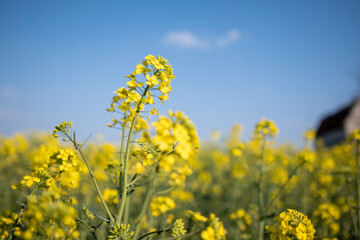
{"x": 161, "y": 183}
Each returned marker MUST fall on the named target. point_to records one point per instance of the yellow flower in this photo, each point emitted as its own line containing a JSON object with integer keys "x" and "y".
{"x": 239, "y": 170}
{"x": 197, "y": 217}
{"x": 154, "y": 111}
{"x": 308, "y": 158}
{"x": 151, "y": 81}
{"x": 142, "y": 69}
{"x": 291, "y": 223}
{"x": 110, "y": 196}
{"x": 355, "y": 135}
{"x": 215, "y": 230}
{"x": 208, "y": 234}
{"x": 141, "y": 124}
{"x": 156, "y": 72}
{"x": 265, "y": 128}
{"x": 329, "y": 214}
{"x": 310, "y": 135}
{"x": 161, "y": 205}
{"x": 49, "y": 218}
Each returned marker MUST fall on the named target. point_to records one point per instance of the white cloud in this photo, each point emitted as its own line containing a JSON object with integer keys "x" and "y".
{"x": 187, "y": 39}
{"x": 232, "y": 36}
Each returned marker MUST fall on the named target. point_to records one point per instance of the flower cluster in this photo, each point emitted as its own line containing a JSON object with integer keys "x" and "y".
{"x": 178, "y": 177}
{"x": 215, "y": 229}
{"x": 6, "y": 223}
{"x": 242, "y": 218}
{"x": 120, "y": 232}
{"x": 63, "y": 129}
{"x": 48, "y": 217}
{"x": 310, "y": 135}
{"x": 110, "y": 196}
{"x": 147, "y": 150}
{"x": 177, "y": 130}
{"x": 177, "y": 228}
{"x": 234, "y": 145}
{"x": 308, "y": 158}
{"x": 49, "y": 165}
{"x": 157, "y": 75}
{"x": 265, "y": 128}
{"x": 161, "y": 205}
{"x": 291, "y": 223}
{"x": 197, "y": 217}
{"x": 328, "y": 215}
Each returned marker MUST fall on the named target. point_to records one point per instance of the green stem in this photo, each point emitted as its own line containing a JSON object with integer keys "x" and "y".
{"x": 142, "y": 174}
{"x": 96, "y": 187}
{"x": 127, "y": 154}
{"x": 127, "y": 209}
{"x": 122, "y": 158}
{"x": 84, "y": 223}
{"x": 77, "y": 228}
{"x": 78, "y": 148}
{"x": 145, "y": 206}
{"x": 261, "y": 192}
{"x": 91, "y": 230}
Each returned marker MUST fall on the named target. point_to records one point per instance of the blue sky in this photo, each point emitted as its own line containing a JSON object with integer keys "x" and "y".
{"x": 234, "y": 61}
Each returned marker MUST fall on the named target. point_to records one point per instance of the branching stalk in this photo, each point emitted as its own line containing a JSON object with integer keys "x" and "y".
{"x": 97, "y": 187}
{"x": 91, "y": 230}
{"x": 127, "y": 154}
{"x": 78, "y": 148}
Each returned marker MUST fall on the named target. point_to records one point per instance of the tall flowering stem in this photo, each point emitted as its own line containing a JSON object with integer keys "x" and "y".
{"x": 64, "y": 129}
{"x": 122, "y": 155}
{"x": 157, "y": 75}
{"x": 127, "y": 154}
{"x": 263, "y": 129}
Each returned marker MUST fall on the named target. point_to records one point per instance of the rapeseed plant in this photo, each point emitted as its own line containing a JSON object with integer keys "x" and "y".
{"x": 149, "y": 159}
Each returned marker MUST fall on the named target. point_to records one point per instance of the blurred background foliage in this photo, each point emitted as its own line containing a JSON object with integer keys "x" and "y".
{"x": 317, "y": 181}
